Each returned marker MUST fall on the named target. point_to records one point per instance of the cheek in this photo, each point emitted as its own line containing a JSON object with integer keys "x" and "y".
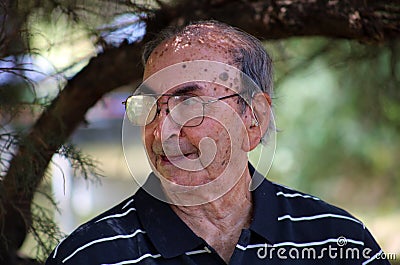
{"x": 230, "y": 136}
{"x": 148, "y": 139}
{"x": 221, "y": 137}
{"x": 225, "y": 149}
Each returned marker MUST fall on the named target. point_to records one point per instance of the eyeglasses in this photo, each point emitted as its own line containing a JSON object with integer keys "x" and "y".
{"x": 185, "y": 110}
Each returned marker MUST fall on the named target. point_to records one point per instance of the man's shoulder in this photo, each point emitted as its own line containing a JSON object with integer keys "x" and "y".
{"x": 301, "y": 211}
{"x": 297, "y": 205}
{"x": 123, "y": 215}
{"x": 302, "y": 220}
{"x": 119, "y": 222}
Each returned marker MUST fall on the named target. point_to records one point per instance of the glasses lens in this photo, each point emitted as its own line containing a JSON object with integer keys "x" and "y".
{"x": 141, "y": 109}
{"x": 186, "y": 110}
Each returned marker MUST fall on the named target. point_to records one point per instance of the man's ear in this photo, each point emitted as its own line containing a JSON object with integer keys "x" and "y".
{"x": 259, "y": 120}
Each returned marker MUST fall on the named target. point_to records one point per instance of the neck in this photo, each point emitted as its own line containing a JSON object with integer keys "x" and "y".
{"x": 232, "y": 205}
{"x": 221, "y": 221}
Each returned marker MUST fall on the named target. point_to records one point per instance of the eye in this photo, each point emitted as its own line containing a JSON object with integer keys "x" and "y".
{"x": 189, "y": 101}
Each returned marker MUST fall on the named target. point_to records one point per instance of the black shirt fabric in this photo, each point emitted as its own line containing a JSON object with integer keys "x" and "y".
{"x": 288, "y": 227}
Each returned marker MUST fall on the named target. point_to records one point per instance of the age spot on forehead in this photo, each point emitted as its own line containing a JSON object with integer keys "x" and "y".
{"x": 162, "y": 53}
{"x": 224, "y": 76}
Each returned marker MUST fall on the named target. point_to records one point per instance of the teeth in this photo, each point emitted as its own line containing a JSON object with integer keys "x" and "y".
{"x": 176, "y": 155}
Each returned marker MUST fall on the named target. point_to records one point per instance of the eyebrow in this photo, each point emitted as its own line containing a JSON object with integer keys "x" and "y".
{"x": 144, "y": 89}
{"x": 187, "y": 88}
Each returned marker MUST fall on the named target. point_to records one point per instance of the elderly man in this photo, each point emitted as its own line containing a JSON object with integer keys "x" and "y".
{"x": 204, "y": 104}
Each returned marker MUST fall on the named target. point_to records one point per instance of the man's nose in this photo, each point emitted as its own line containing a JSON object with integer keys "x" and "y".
{"x": 165, "y": 126}
{"x": 162, "y": 107}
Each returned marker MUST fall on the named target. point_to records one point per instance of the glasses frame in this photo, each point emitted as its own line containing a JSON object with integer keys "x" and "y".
{"x": 159, "y": 104}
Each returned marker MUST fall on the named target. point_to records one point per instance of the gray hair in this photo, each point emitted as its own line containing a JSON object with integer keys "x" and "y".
{"x": 249, "y": 53}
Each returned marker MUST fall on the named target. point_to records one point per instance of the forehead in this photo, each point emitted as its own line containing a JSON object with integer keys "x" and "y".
{"x": 204, "y": 75}
{"x": 189, "y": 47}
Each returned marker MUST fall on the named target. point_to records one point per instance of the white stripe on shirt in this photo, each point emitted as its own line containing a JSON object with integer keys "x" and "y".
{"x": 148, "y": 255}
{"x": 292, "y": 195}
{"x": 294, "y": 244}
{"x": 200, "y": 251}
{"x": 102, "y": 240}
{"x": 126, "y": 204}
{"x": 56, "y": 249}
{"x": 117, "y": 215}
{"x": 318, "y": 216}
{"x": 317, "y": 243}
{"x": 252, "y": 246}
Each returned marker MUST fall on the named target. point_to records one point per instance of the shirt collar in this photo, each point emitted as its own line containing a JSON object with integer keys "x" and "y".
{"x": 172, "y": 237}
{"x": 168, "y": 233}
{"x": 265, "y": 208}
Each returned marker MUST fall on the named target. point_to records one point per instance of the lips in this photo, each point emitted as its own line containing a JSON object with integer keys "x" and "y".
{"x": 170, "y": 151}
{"x": 170, "y": 158}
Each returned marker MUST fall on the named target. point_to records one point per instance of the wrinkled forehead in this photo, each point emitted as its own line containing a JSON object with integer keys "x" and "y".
{"x": 197, "y": 71}
{"x": 193, "y": 44}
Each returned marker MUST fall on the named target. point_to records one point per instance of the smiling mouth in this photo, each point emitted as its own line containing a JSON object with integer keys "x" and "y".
{"x": 171, "y": 158}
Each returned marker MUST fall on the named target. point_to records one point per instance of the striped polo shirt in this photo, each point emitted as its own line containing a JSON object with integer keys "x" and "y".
{"x": 288, "y": 227}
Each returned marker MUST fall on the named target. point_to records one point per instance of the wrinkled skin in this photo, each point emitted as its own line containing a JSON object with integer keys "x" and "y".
{"x": 220, "y": 220}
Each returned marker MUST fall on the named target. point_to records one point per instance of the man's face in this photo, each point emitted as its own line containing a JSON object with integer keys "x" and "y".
{"x": 213, "y": 144}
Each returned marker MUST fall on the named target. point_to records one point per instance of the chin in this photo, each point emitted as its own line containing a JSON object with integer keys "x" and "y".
{"x": 180, "y": 177}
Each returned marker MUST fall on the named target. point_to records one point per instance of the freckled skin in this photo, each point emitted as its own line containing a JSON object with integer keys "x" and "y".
{"x": 179, "y": 51}
{"x": 207, "y": 47}
{"x": 192, "y": 137}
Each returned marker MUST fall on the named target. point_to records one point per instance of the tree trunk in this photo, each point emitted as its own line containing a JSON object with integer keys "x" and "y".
{"x": 370, "y": 21}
